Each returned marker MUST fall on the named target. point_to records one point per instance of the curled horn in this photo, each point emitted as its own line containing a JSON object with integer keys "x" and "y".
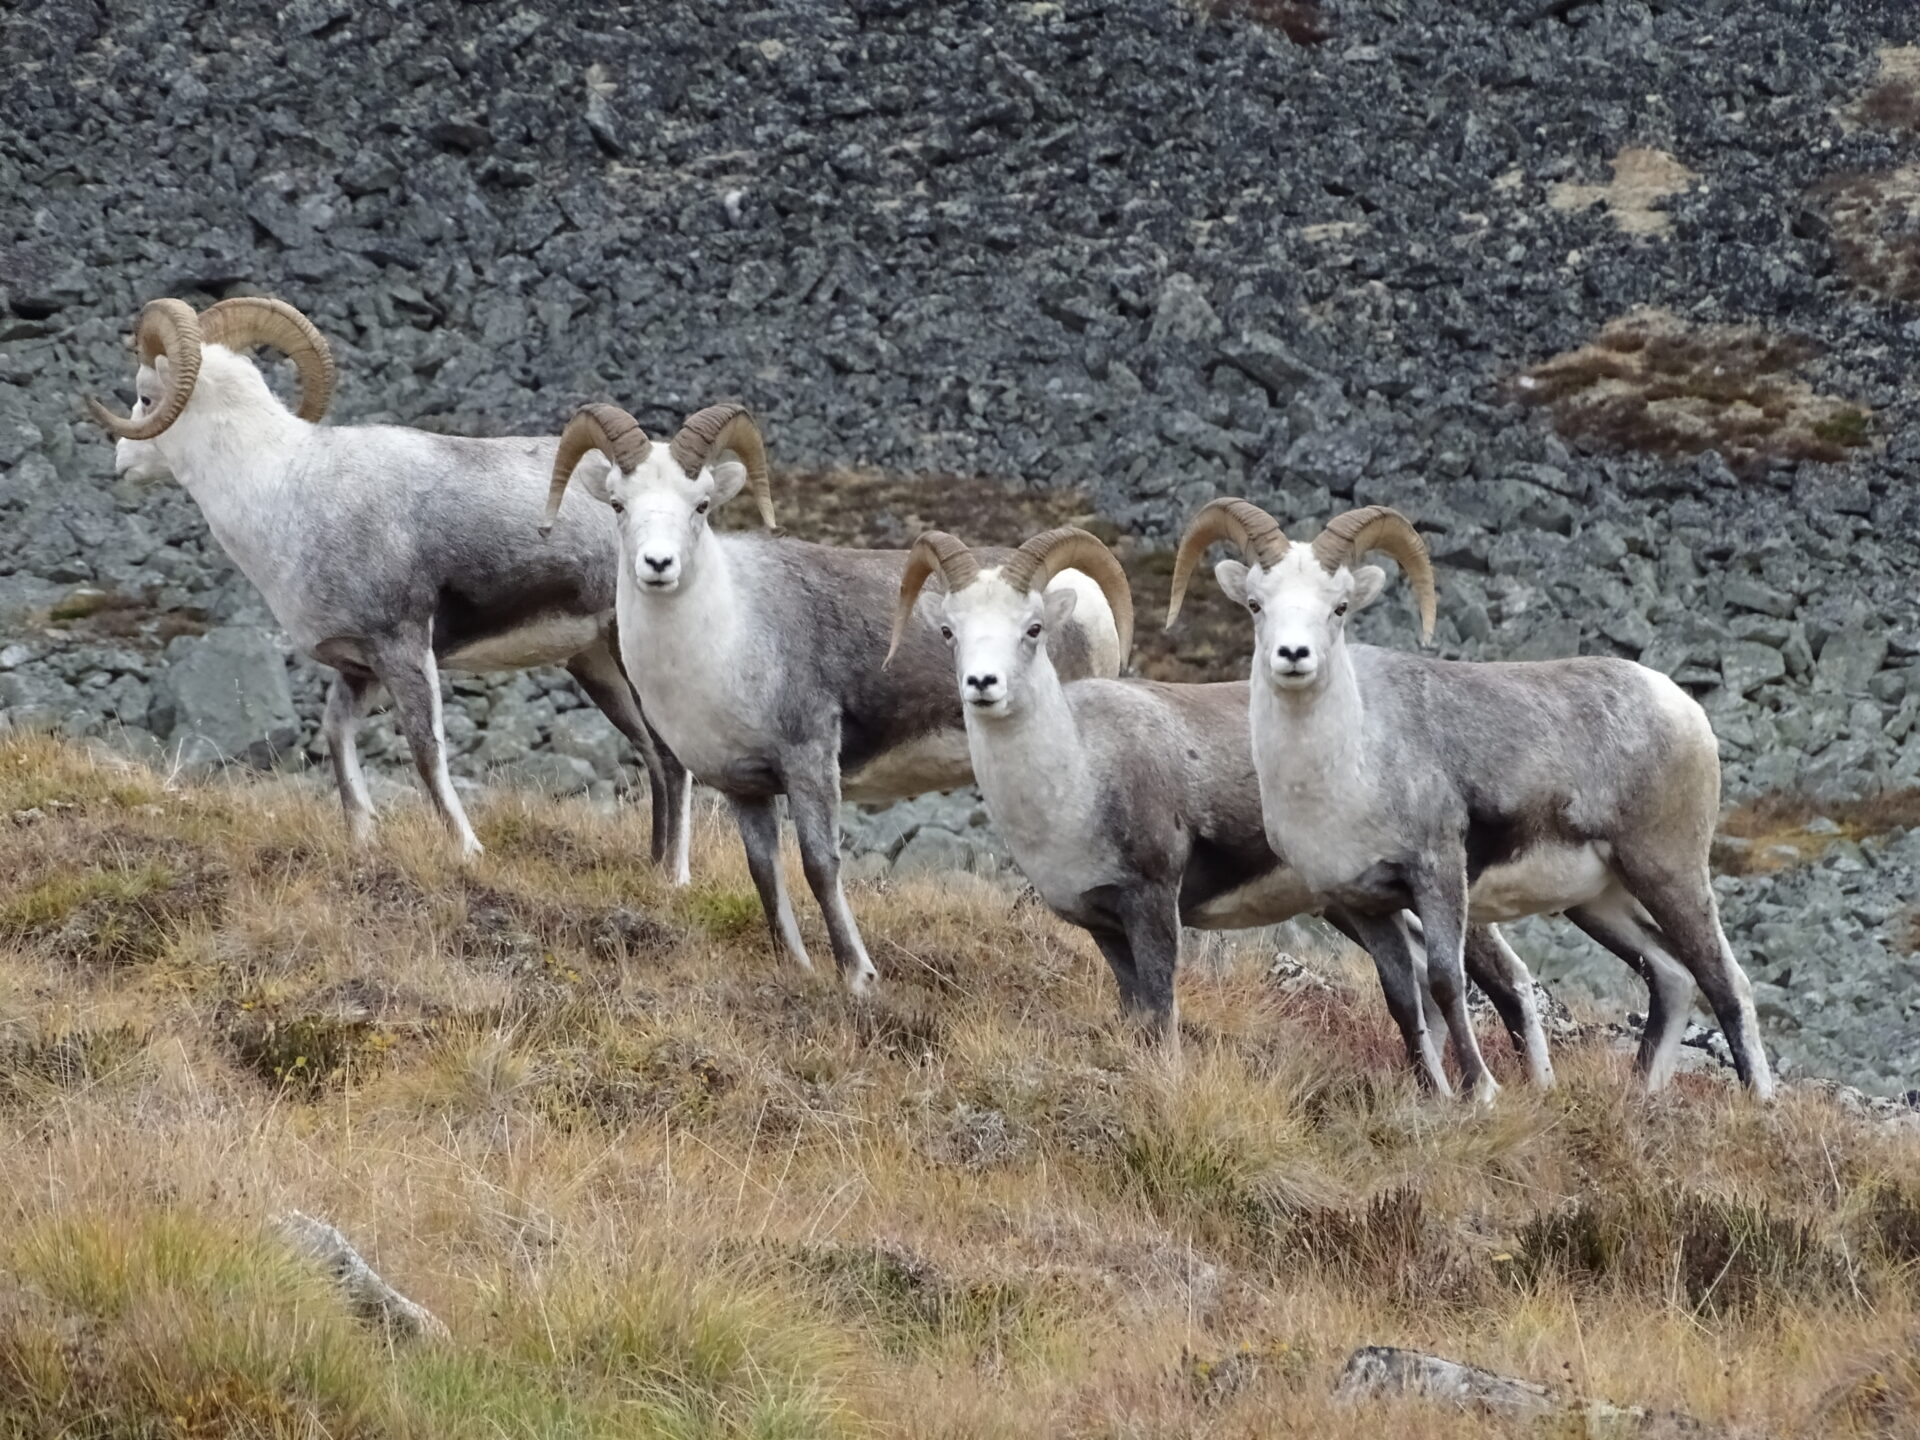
{"x": 934, "y": 550}
{"x": 606, "y": 428}
{"x": 1068, "y": 547}
{"x": 726, "y": 427}
{"x": 165, "y": 327}
{"x": 248, "y": 320}
{"x": 1376, "y": 527}
{"x": 1257, "y": 534}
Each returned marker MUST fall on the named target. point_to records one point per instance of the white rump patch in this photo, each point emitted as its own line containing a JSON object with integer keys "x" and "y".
{"x": 547, "y": 642}
{"x": 941, "y": 761}
{"x": 1544, "y": 881}
{"x": 1278, "y": 895}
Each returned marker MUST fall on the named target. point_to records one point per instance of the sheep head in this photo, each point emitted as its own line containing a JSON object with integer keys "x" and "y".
{"x": 662, "y": 497}
{"x": 170, "y": 331}
{"x": 996, "y": 620}
{"x": 1299, "y": 595}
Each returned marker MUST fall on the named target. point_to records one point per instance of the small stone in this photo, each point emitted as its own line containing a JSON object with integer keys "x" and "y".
{"x": 1746, "y": 665}
{"x": 1849, "y": 659}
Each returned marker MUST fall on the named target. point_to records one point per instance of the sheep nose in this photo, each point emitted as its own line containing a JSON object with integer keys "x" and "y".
{"x": 982, "y": 682}
{"x": 1293, "y": 654}
{"x": 658, "y": 563}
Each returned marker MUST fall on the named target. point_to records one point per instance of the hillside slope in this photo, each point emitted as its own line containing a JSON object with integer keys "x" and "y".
{"x": 657, "y": 1184}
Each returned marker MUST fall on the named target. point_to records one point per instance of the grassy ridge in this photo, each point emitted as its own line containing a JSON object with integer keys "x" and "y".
{"x": 658, "y": 1184}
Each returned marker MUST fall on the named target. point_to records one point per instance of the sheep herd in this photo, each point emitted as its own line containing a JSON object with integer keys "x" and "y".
{"x": 1415, "y": 803}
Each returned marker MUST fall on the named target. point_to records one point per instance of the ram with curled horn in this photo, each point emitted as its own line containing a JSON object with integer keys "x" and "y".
{"x": 765, "y": 660}
{"x": 388, "y": 554}
{"x": 1132, "y": 806}
{"x": 1473, "y": 793}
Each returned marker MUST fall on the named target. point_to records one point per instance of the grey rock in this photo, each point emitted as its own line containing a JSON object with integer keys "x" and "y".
{"x": 586, "y": 734}
{"x": 1745, "y": 666}
{"x": 228, "y": 690}
{"x": 1849, "y": 659}
{"x": 1183, "y": 312}
{"x": 547, "y": 773}
{"x": 933, "y": 849}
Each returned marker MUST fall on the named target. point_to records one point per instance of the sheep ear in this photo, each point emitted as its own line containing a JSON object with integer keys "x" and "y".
{"x": 1057, "y": 605}
{"x": 1232, "y": 578}
{"x": 1368, "y": 582}
{"x": 729, "y": 477}
{"x": 592, "y": 474}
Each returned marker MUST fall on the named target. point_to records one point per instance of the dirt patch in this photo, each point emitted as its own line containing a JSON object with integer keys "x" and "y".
{"x": 1876, "y": 229}
{"x": 1642, "y": 178}
{"x": 1893, "y": 103}
{"x": 1654, "y": 384}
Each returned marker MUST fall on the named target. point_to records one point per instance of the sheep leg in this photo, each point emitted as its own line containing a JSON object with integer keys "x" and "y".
{"x": 1504, "y": 977}
{"x": 1119, "y": 957}
{"x": 348, "y": 700}
{"x": 1151, "y": 920}
{"x": 813, "y": 799}
{"x": 1440, "y": 900}
{"x": 599, "y": 675}
{"x": 759, "y": 826}
{"x": 1385, "y": 939}
{"x": 1680, "y": 901}
{"x": 1618, "y": 924}
{"x": 412, "y": 677}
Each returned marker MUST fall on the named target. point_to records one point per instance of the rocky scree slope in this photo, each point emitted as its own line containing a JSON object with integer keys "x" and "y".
{"x": 1124, "y": 247}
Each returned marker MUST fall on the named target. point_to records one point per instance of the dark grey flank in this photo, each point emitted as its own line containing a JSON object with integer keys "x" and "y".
{"x": 471, "y": 573}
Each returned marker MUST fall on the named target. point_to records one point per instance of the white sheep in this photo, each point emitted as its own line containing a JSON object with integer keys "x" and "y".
{"x": 387, "y": 554}
{"x": 759, "y": 658}
{"x": 1132, "y": 806}
{"x": 1478, "y": 790}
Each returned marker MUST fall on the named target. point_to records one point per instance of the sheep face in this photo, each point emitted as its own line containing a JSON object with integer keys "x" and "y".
{"x": 1299, "y": 612}
{"x": 141, "y": 460}
{"x": 662, "y": 515}
{"x": 997, "y": 634}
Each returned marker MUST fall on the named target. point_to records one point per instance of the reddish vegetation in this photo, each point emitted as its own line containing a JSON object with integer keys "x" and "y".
{"x": 1652, "y": 384}
{"x": 1301, "y": 21}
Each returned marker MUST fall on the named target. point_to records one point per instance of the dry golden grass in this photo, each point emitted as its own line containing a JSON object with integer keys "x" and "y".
{"x": 659, "y": 1184}
{"x": 1652, "y": 383}
{"x": 1783, "y": 830}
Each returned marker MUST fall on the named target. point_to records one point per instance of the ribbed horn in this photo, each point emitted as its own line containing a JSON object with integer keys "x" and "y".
{"x": 248, "y": 320}
{"x": 606, "y": 428}
{"x": 1068, "y": 547}
{"x": 726, "y": 427}
{"x": 934, "y": 550}
{"x": 1257, "y": 533}
{"x": 1377, "y": 527}
{"x": 169, "y": 328}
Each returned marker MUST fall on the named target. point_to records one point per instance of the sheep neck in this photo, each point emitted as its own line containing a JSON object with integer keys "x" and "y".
{"x": 1032, "y": 767}
{"x": 240, "y": 471}
{"x": 684, "y": 649}
{"x": 1310, "y": 750}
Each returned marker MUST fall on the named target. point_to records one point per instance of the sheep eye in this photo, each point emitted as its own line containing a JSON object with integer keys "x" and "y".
{"x": 1033, "y": 631}
{"x": 618, "y": 508}
{"x": 1341, "y": 608}
{"x": 701, "y": 508}
{"x": 946, "y": 632}
{"x": 1253, "y": 607}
